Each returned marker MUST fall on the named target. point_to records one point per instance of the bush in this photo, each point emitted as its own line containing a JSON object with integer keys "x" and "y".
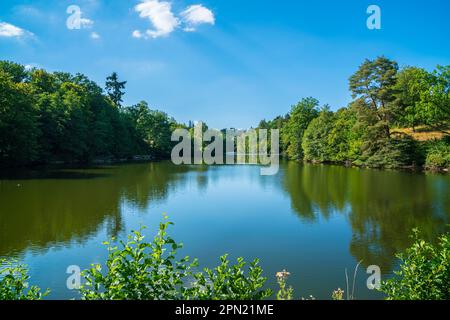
{"x": 424, "y": 272}
{"x": 151, "y": 271}
{"x": 14, "y": 283}
{"x": 393, "y": 153}
{"x": 229, "y": 283}
{"x": 438, "y": 155}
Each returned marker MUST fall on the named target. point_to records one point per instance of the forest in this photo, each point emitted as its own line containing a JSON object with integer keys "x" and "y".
{"x": 62, "y": 118}
{"x": 398, "y": 118}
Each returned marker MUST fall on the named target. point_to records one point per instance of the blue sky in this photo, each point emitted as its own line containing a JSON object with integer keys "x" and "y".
{"x": 230, "y": 63}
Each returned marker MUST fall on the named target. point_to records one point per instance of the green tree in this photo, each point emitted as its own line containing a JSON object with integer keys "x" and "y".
{"x": 73, "y": 101}
{"x": 315, "y": 139}
{"x": 344, "y": 138}
{"x": 43, "y": 82}
{"x": 16, "y": 71}
{"x": 374, "y": 84}
{"x": 153, "y": 127}
{"x": 434, "y": 106}
{"x": 115, "y": 89}
{"x": 18, "y": 122}
{"x": 300, "y": 117}
{"x": 412, "y": 84}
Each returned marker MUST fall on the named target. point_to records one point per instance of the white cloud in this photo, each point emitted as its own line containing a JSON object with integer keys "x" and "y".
{"x": 160, "y": 15}
{"x": 195, "y": 15}
{"x": 137, "y": 34}
{"x": 32, "y": 66}
{"x": 11, "y": 31}
{"x": 95, "y": 35}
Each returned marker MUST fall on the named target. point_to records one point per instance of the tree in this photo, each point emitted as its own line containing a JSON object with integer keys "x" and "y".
{"x": 16, "y": 71}
{"x": 423, "y": 98}
{"x": 18, "y": 122}
{"x": 46, "y": 117}
{"x": 115, "y": 89}
{"x": 300, "y": 117}
{"x": 434, "y": 107}
{"x": 374, "y": 84}
{"x": 315, "y": 139}
{"x": 43, "y": 81}
{"x": 344, "y": 138}
{"x": 153, "y": 127}
{"x": 75, "y": 126}
{"x": 411, "y": 85}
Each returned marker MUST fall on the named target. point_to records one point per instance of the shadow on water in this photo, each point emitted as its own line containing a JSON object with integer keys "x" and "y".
{"x": 43, "y": 209}
{"x": 382, "y": 207}
{"x": 54, "y": 173}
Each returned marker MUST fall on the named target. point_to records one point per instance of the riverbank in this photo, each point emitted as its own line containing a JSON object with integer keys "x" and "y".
{"x": 78, "y": 163}
{"x": 423, "y": 169}
{"x": 147, "y": 158}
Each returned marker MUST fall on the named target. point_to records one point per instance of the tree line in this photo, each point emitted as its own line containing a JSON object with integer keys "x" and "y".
{"x": 59, "y": 117}
{"x": 368, "y": 132}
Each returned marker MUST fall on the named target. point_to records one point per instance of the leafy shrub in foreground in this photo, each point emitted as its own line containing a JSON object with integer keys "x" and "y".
{"x": 14, "y": 283}
{"x": 424, "y": 272}
{"x": 151, "y": 271}
{"x": 227, "y": 282}
{"x": 139, "y": 270}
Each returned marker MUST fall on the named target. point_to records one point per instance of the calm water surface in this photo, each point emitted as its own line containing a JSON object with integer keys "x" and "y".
{"x": 314, "y": 221}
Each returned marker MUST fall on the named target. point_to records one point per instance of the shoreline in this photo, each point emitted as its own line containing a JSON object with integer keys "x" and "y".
{"x": 52, "y": 165}
{"x": 420, "y": 169}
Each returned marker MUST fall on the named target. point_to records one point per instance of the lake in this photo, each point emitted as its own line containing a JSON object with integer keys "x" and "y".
{"x": 312, "y": 220}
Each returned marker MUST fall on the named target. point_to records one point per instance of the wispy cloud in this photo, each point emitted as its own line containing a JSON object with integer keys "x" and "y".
{"x": 137, "y": 34}
{"x": 196, "y": 15}
{"x": 31, "y": 66}
{"x": 164, "y": 21}
{"x": 11, "y": 31}
{"x": 95, "y": 36}
{"x": 160, "y": 15}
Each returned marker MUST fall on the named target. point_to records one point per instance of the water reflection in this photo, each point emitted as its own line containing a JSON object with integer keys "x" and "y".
{"x": 382, "y": 207}
{"x": 50, "y": 208}
{"x": 45, "y": 209}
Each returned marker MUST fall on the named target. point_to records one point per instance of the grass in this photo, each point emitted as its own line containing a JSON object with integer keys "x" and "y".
{"x": 422, "y": 133}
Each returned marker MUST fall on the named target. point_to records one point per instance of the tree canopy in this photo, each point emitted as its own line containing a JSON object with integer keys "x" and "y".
{"x": 53, "y": 117}
{"x": 368, "y": 131}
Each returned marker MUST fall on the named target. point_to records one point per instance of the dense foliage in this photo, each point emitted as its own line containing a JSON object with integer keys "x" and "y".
{"x": 424, "y": 272}
{"x": 152, "y": 271}
{"x": 438, "y": 154}
{"x": 14, "y": 283}
{"x": 299, "y": 119}
{"x": 366, "y": 132}
{"x": 59, "y": 117}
